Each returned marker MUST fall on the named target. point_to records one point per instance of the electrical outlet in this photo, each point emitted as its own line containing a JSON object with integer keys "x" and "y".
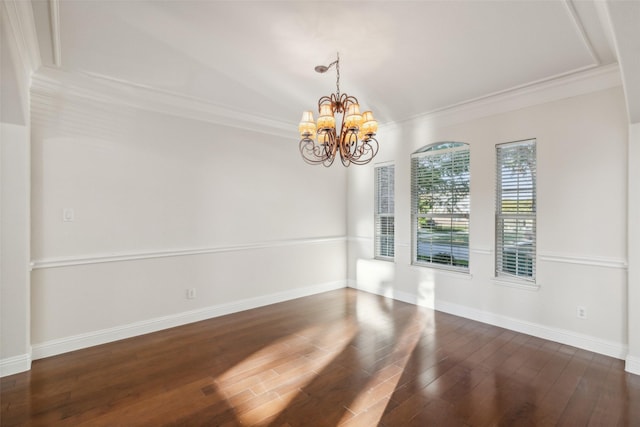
{"x": 191, "y": 293}
{"x": 68, "y": 215}
{"x": 582, "y": 312}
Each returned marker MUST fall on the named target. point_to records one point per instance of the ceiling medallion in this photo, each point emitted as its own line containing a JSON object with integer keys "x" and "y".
{"x": 320, "y": 142}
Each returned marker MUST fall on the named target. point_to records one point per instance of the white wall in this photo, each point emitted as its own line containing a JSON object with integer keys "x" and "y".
{"x": 163, "y": 204}
{"x": 633, "y": 359}
{"x": 15, "y": 346}
{"x": 582, "y": 208}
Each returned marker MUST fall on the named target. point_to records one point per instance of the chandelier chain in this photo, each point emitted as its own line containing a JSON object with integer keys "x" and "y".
{"x": 338, "y": 74}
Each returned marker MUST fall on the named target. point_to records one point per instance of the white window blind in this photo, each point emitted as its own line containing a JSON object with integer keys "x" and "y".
{"x": 384, "y": 212}
{"x": 440, "y": 205}
{"x": 516, "y": 210}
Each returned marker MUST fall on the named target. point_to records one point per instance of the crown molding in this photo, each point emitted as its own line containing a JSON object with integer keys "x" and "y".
{"x": 59, "y": 83}
{"x": 604, "y": 20}
{"x": 21, "y": 25}
{"x": 580, "y": 82}
{"x": 579, "y": 28}
{"x": 622, "y": 18}
{"x": 54, "y": 18}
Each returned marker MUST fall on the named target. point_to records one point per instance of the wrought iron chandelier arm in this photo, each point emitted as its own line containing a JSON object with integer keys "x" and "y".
{"x": 354, "y": 141}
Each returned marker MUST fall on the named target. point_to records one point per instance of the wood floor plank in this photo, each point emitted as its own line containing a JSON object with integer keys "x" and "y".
{"x": 582, "y": 403}
{"x": 340, "y": 358}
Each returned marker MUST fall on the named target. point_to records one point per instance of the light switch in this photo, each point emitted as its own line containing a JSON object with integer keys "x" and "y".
{"x": 68, "y": 215}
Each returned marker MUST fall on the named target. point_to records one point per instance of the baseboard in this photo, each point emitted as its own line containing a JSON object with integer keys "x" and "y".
{"x": 77, "y": 342}
{"x": 563, "y": 336}
{"x": 632, "y": 365}
{"x": 15, "y": 365}
{"x": 586, "y": 342}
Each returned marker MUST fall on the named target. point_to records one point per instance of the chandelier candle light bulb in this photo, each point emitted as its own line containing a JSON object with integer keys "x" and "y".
{"x": 370, "y": 125}
{"x": 353, "y": 118}
{"x": 326, "y": 119}
{"x": 355, "y": 140}
{"x": 307, "y": 125}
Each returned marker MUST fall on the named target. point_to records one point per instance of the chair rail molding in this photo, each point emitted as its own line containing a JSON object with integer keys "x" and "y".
{"x": 71, "y": 261}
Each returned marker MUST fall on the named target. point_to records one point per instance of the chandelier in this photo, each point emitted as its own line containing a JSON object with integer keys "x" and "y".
{"x": 320, "y": 142}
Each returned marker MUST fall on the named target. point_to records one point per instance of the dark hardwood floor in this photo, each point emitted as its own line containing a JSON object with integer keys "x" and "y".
{"x": 339, "y": 358}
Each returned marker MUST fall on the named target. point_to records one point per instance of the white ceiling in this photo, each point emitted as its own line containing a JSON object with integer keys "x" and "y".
{"x": 398, "y": 58}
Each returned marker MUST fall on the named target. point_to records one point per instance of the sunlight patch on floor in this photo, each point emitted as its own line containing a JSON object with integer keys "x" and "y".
{"x": 311, "y": 349}
{"x": 374, "y": 399}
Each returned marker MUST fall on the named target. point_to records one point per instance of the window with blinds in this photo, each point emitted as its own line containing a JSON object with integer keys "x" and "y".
{"x": 516, "y": 210}
{"x": 384, "y": 212}
{"x": 440, "y": 205}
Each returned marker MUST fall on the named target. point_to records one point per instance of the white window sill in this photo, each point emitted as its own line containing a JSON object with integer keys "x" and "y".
{"x": 453, "y": 272}
{"x": 514, "y": 283}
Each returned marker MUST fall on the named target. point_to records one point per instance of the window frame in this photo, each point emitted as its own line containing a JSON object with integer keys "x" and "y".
{"x": 438, "y": 149}
{"x": 389, "y": 169}
{"x": 525, "y": 257}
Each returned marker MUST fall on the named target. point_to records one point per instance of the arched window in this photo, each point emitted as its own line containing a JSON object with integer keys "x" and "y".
{"x": 440, "y": 205}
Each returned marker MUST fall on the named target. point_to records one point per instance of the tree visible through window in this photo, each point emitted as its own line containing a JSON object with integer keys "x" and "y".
{"x": 440, "y": 205}
{"x": 516, "y": 209}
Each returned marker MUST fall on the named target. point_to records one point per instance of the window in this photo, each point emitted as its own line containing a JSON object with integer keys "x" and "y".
{"x": 384, "y": 212}
{"x": 440, "y": 205}
{"x": 516, "y": 210}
